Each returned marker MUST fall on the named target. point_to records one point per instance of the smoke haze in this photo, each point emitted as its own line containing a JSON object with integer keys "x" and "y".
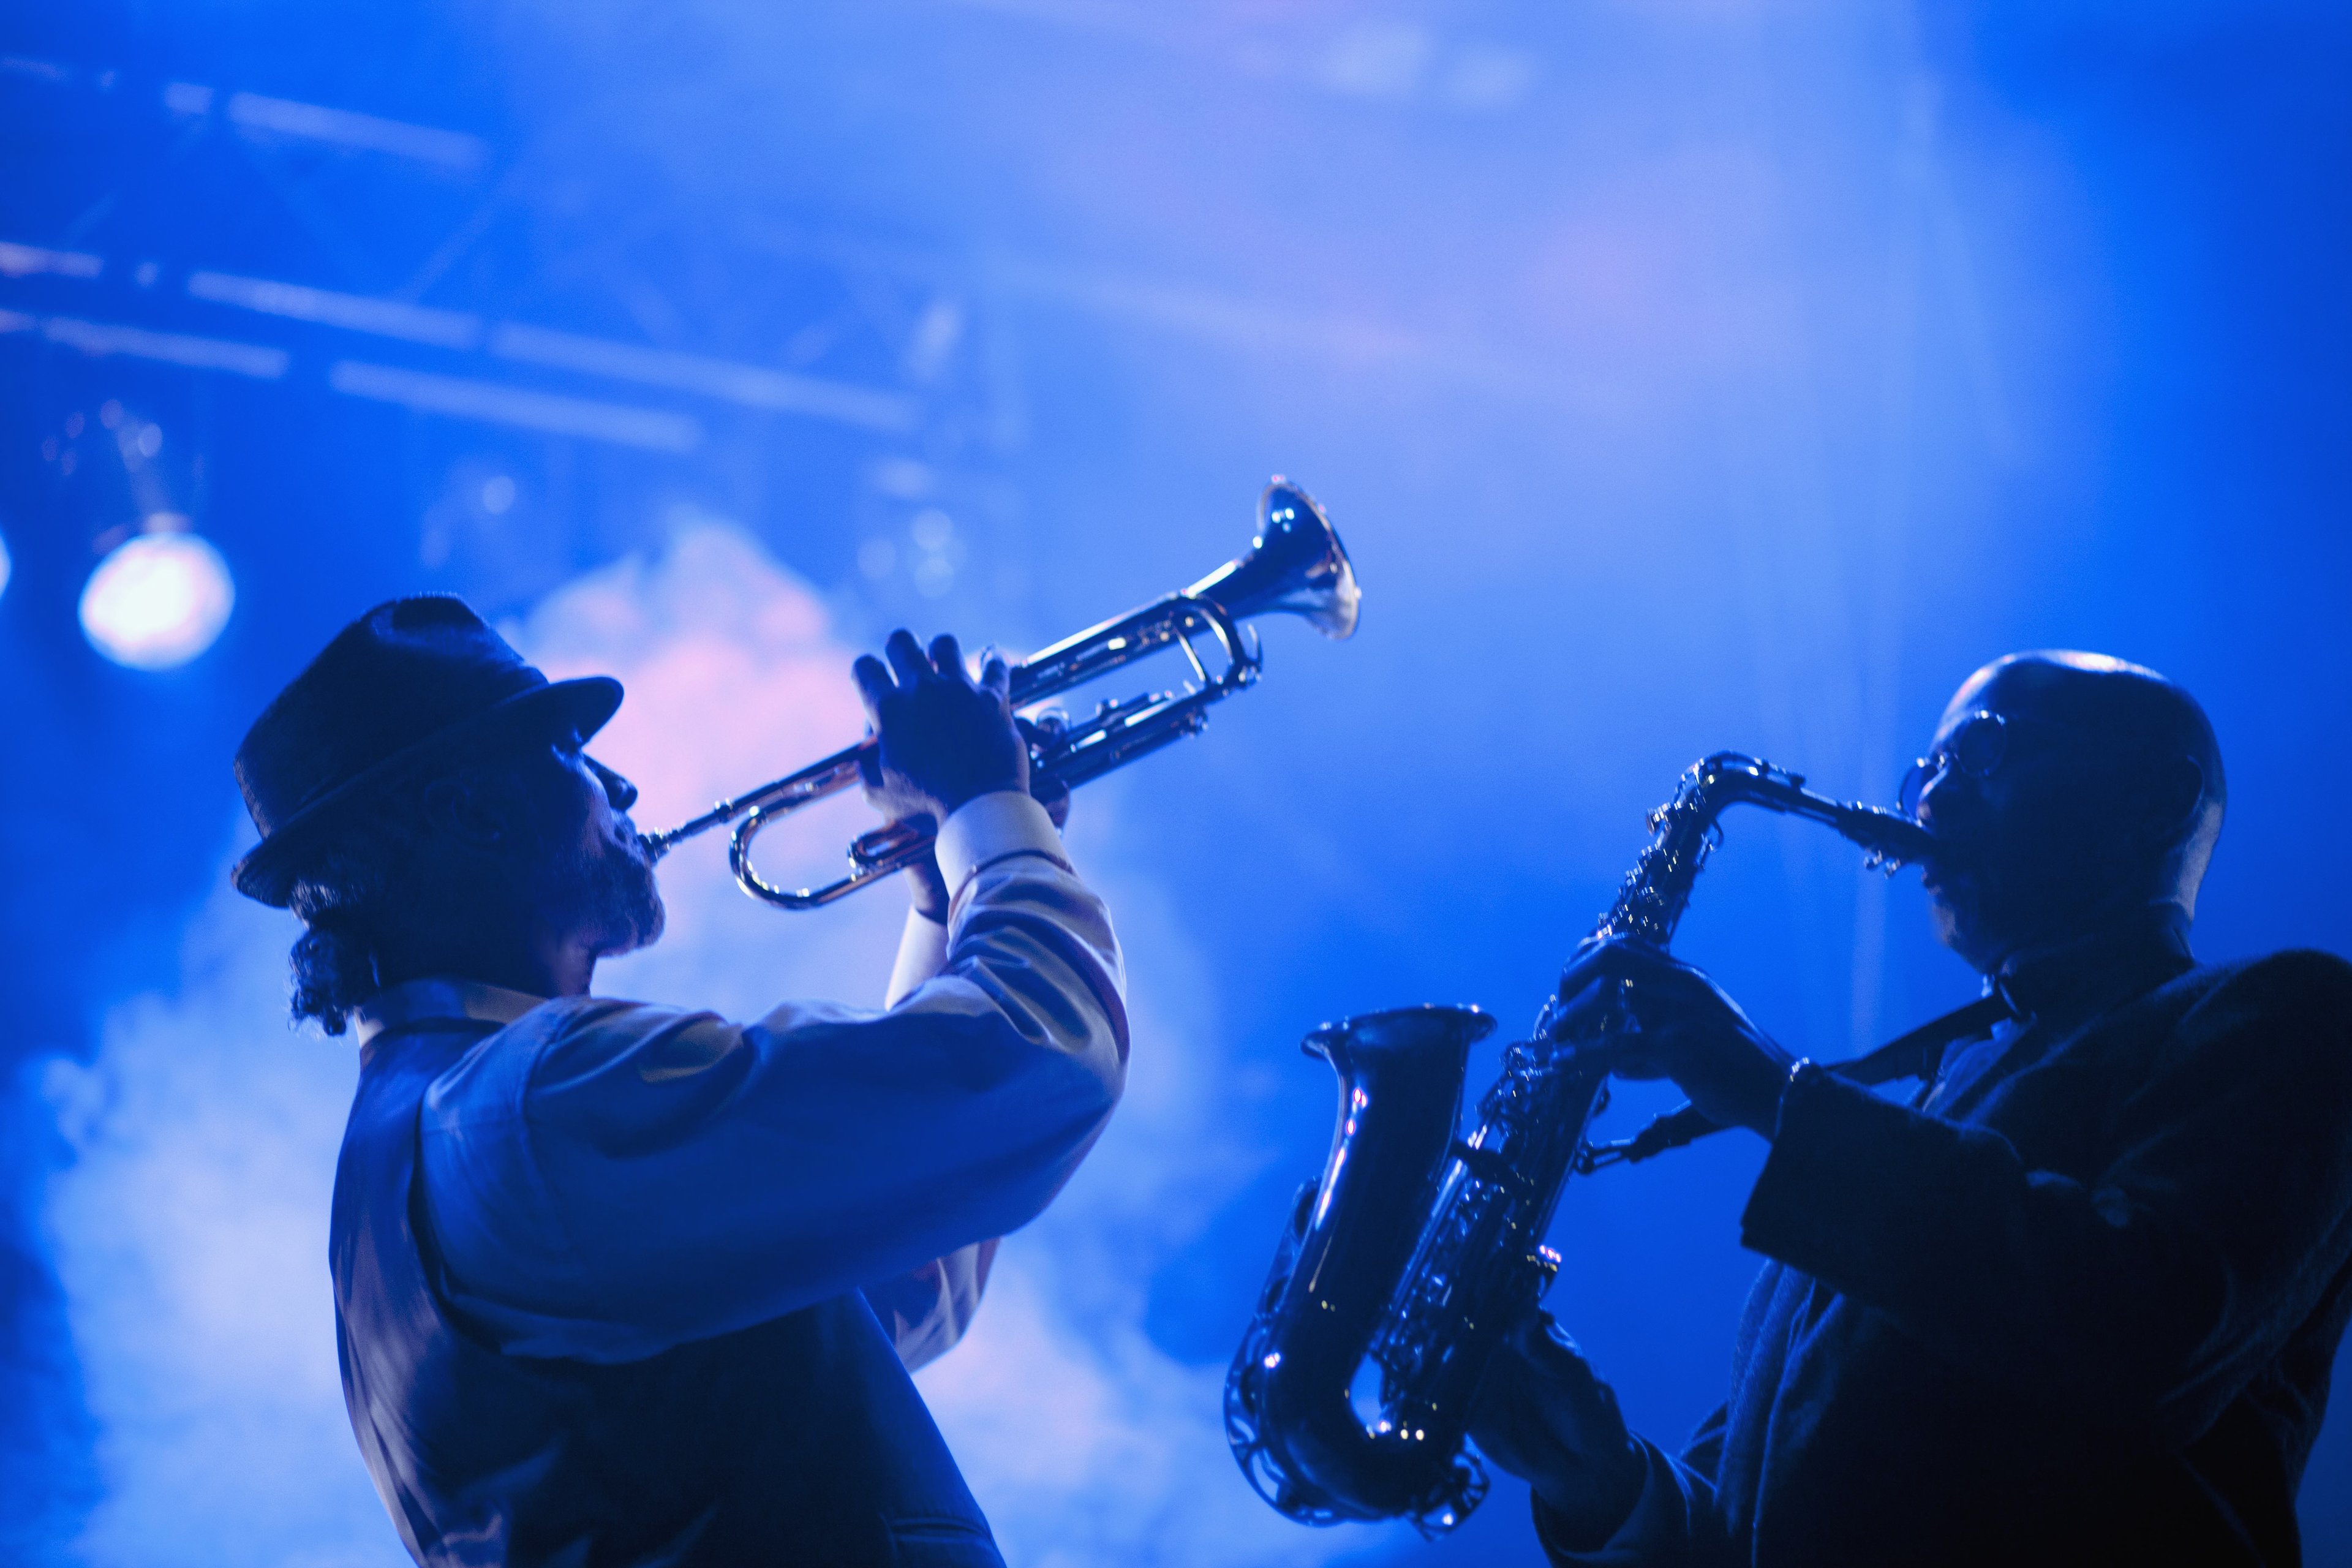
{"x": 189, "y": 1230}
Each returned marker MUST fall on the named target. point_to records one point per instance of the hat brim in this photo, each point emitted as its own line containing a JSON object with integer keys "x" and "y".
{"x": 579, "y": 707}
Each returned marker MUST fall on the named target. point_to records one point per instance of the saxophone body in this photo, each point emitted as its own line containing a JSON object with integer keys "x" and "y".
{"x": 1351, "y": 1392}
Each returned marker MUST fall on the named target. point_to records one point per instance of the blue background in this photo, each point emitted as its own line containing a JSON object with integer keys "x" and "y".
{"x": 1683, "y": 376}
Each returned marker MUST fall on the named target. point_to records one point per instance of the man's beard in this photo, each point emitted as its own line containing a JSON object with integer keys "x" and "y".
{"x": 616, "y": 889}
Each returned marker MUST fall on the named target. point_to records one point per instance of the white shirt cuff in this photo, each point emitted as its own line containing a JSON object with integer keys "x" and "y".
{"x": 990, "y": 827}
{"x": 922, "y": 953}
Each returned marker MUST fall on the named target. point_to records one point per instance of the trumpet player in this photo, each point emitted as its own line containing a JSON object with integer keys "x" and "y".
{"x": 2078, "y": 1301}
{"x": 625, "y": 1284}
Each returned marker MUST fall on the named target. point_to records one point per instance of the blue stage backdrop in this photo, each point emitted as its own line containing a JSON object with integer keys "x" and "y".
{"x": 1683, "y": 376}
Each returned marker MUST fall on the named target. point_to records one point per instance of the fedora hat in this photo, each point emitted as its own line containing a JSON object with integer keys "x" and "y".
{"x": 411, "y": 681}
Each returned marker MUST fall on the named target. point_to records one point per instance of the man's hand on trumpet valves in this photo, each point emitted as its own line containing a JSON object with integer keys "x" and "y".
{"x": 942, "y": 739}
{"x": 1685, "y": 1027}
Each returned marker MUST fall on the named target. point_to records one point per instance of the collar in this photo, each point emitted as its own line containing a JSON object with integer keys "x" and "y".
{"x": 2067, "y": 982}
{"x": 438, "y": 997}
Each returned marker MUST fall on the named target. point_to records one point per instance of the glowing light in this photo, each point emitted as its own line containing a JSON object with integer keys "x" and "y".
{"x": 426, "y": 142}
{"x": 3, "y": 566}
{"x": 655, "y": 429}
{"x": 934, "y": 575}
{"x": 754, "y": 387}
{"x": 932, "y": 528}
{"x": 389, "y": 317}
{"x": 157, "y": 601}
{"x": 99, "y": 339}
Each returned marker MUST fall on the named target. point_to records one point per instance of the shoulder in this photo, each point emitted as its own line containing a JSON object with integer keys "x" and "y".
{"x": 2285, "y": 1017}
{"x": 2299, "y": 982}
{"x": 561, "y": 1042}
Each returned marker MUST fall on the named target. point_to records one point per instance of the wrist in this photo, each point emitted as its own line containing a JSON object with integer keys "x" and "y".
{"x": 1582, "y": 1517}
{"x": 949, "y": 802}
{"x": 990, "y": 827}
{"x": 1802, "y": 1066}
{"x": 1765, "y": 1079}
{"x": 1801, "y": 1069}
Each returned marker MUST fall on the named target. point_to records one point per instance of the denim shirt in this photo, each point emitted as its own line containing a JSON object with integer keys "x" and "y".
{"x": 605, "y": 1179}
{"x": 597, "y": 1264}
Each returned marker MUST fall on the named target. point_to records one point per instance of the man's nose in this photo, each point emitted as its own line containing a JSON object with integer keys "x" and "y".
{"x": 1938, "y": 792}
{"x": 618, "y": 790}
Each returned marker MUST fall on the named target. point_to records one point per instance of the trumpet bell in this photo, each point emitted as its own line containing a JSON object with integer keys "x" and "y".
{"x": 1295, "y": 566}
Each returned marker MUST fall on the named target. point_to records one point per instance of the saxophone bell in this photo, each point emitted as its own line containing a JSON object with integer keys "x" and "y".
{"x": 1291, "y": 1408}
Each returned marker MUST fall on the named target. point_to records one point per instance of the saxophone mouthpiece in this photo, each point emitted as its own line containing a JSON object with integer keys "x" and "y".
{"x": 1894, "y": 841}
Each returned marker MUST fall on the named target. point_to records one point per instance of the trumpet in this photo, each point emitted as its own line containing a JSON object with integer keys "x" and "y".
{"x": 1295, "y": 566}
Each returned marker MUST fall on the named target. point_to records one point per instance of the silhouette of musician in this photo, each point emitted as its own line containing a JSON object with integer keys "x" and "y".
{"x": 628, "y": 1285}
{"x": 2078, "y": 1301}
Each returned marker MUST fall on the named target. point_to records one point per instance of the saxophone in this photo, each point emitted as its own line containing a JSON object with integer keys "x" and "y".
{"x": 1349, "y": 1396}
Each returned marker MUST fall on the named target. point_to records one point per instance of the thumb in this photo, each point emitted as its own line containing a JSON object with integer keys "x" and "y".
{"x": 997, "y": 677}
{"x": 1552, "y": 1350}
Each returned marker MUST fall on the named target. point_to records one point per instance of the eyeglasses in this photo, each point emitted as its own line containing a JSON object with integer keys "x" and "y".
{"x": 1979, "y": 743}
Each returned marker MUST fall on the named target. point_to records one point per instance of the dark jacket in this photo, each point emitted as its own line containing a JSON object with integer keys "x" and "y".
{"x": 2078, "y": 1304}
{"x": 799, "y": 1441}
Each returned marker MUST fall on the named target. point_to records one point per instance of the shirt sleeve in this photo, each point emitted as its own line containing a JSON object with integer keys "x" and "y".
{"x": 922, "y": 953}
{"x": 1674, "y": 1523}
{"x": 925, "y": 1312}
{"x": 609, "y": 1179}
{"x": 2145, "y": 1293}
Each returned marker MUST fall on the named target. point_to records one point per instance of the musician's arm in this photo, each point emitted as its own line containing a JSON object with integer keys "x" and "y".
{"x": 1675, "y": 1523}
{"x": 1602, "y": 1497}
{"x": 629, "y": 1177}
{"x": 2145, "y": 1296}
{"x": 925, "y": 1312}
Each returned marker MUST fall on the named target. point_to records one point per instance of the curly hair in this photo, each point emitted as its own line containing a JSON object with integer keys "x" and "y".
{"x": 343, "y": 899}
{"x": 383, "y": 863}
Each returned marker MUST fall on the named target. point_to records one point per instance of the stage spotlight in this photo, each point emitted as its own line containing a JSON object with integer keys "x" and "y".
{"x": 4, "y": 564}
{"x": 157, "y": 601}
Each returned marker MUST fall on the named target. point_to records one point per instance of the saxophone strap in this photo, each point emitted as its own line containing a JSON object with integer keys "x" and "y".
{"x": 1918, "y": 1053}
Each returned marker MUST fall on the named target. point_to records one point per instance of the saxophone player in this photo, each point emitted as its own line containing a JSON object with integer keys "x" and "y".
{"x": 2078, "y": 1301}
{"x": 634, "y": 1285}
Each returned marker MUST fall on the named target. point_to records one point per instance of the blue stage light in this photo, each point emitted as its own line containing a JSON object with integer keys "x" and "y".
{"x": 4, "y": 566}
{"x": 158, "y": 601}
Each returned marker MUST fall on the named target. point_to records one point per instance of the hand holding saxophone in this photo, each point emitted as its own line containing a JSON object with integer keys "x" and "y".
{"x": 1683, "y": 1027}
{"x": 1346, "y": 1293}
{"x": 1544, "y": 1414}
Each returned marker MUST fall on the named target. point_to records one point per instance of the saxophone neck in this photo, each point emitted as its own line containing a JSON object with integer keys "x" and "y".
{"x": 1892, "y": 840}
{"x": 1650, "y": 903}
{"x": 1729, "y": 778}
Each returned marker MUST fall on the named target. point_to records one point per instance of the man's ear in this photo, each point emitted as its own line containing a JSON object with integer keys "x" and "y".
{"x": 2174, "y": 790}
